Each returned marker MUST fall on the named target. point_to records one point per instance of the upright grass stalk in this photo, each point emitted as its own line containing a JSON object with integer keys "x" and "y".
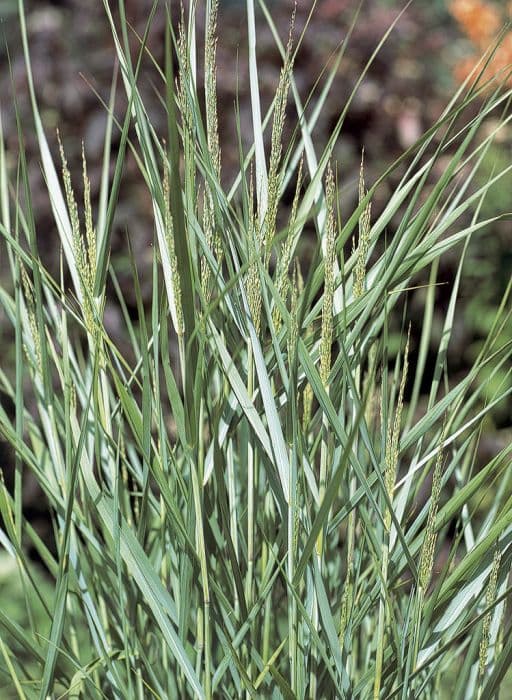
{"x": 254, "y": 300}
{"x": 358, "y": 288}
{"x": 390, "y": 471}
{"x": 326, "y": 339}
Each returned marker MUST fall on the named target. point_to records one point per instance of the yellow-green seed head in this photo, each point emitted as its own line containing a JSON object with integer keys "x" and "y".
{"x": 490, "y": 597}
{"x": 169, "y": 237}
{"x": 30, "y": 304}
{"x": 274, "y": 175}
{"x": 393, "y": 434}
{"x": 363, "y": 246}
{"x": 328, "y": 298}
{"x": 429, "y": 543}
{"x": 284, "y": 260}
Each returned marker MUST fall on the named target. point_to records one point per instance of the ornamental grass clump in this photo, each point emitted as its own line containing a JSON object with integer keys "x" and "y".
{"x": 267, "y": 494}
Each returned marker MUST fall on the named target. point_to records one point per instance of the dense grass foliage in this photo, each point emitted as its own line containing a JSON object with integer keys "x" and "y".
{"x": 260, "y": 499}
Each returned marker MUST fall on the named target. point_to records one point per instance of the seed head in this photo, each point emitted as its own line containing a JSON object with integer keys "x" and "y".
{"x": 364, "y": 238}
{"x": 169, "y": 237}
{"x": 490, "y": 597}
{"x": 328, "y": 298}
{"x": 393, "y": 435}
{"x": 429, "y": 543}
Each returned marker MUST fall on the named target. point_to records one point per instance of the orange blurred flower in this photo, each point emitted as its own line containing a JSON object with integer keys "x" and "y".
{"x": 481, "y": 21}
